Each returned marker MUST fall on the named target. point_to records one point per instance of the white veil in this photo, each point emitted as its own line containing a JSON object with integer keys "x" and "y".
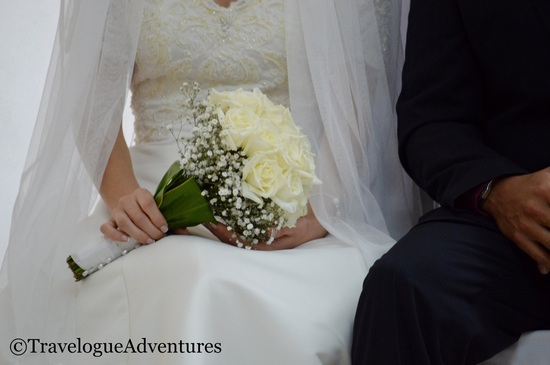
{"x": 76, "y": 127}
{"x": 365, "y": 194}
{"x": 344, "y": 66}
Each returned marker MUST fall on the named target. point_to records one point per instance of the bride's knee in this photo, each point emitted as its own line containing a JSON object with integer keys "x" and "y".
{"x": 182, "y": 256}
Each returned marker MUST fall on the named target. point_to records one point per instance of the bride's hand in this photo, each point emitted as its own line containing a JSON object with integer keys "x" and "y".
{"x": 136, "y": 215}
{"x": 307, "y": 228}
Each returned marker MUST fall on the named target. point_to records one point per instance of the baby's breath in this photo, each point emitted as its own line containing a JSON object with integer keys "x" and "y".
{"x": 219, "y": 170}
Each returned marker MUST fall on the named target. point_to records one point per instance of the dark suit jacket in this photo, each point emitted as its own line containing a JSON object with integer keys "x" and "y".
{"x": 475, "y": 103}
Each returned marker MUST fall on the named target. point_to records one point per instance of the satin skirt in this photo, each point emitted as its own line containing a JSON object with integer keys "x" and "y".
{"x": 194, "y": 300}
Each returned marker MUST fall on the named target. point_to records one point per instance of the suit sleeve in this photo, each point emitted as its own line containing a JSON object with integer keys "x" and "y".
{"x": 441, "y": 106}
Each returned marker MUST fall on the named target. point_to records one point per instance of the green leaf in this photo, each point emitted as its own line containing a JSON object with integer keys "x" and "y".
{"x": 172, "y": 173}
{"x": 180, "y": 199}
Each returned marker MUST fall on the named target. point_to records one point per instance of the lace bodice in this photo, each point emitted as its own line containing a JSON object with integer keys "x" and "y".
{"x": 197, "y": 40}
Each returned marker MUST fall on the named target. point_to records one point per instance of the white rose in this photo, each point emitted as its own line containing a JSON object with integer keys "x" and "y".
{"x": 277, "y": 114}
{"x": 290, "y": 195}
{"x": 221, "y": 99}
{"x": 292, "y": 218}
{"x": 254, "y": 100}
{"x": 296, "y": 152}
{"x": 226, "y": 137}
{"x": 262, "y": 177}
{"x": 240, "y": 124}
{"x": 265, "y": 138}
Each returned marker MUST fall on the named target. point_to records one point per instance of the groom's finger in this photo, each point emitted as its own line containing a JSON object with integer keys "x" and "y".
{"x": 536, "y": 251}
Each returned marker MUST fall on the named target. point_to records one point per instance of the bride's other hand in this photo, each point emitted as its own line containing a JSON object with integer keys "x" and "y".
{"x": 182, "y": 231}
{"x": 136, "y": 215}
{"x": 307, "y": 228}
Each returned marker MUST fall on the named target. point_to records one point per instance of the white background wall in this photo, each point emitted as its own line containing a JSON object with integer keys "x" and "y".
{"x": 27, "y": 31}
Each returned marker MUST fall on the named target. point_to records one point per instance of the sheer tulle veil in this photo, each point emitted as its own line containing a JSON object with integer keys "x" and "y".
{"x": 344, "y": 59}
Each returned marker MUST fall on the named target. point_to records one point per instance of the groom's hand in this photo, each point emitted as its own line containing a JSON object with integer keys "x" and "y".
{"x": 520, "y": 205}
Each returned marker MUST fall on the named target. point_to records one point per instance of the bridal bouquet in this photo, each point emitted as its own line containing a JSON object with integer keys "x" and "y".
{"x": 246, "y": 165}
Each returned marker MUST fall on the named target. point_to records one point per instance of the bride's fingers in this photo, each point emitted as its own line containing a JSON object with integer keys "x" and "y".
{"x": 131, "y": 218}
{"x": 282, "y": 242}
{"x": 125, "y": 222}
{"x": 284, "y": 239}
{"x": 222, "y": 233}
{"x": 274, "y": 232}
{"x": 148, "y": 205}
{"x": 110, "y": 231}
{"x": 182, "y": 231}
{"x": 225, "y": 235}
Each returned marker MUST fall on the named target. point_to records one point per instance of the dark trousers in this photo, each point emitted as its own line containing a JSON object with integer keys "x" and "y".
{"x": 452, "y": 291}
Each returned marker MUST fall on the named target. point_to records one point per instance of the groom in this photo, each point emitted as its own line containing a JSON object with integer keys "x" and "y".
{"x": 474, "y": 132}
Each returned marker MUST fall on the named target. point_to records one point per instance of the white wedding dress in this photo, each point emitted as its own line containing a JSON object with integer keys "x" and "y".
{"x": 290, "y": 307}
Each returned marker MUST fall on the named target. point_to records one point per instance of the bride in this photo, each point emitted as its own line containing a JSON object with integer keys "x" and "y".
{"x": 333, "y": 63}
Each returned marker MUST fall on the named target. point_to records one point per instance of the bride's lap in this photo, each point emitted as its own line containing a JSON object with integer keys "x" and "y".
{"x": 196, "y": 289}
{"x": 279, "y": 307}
